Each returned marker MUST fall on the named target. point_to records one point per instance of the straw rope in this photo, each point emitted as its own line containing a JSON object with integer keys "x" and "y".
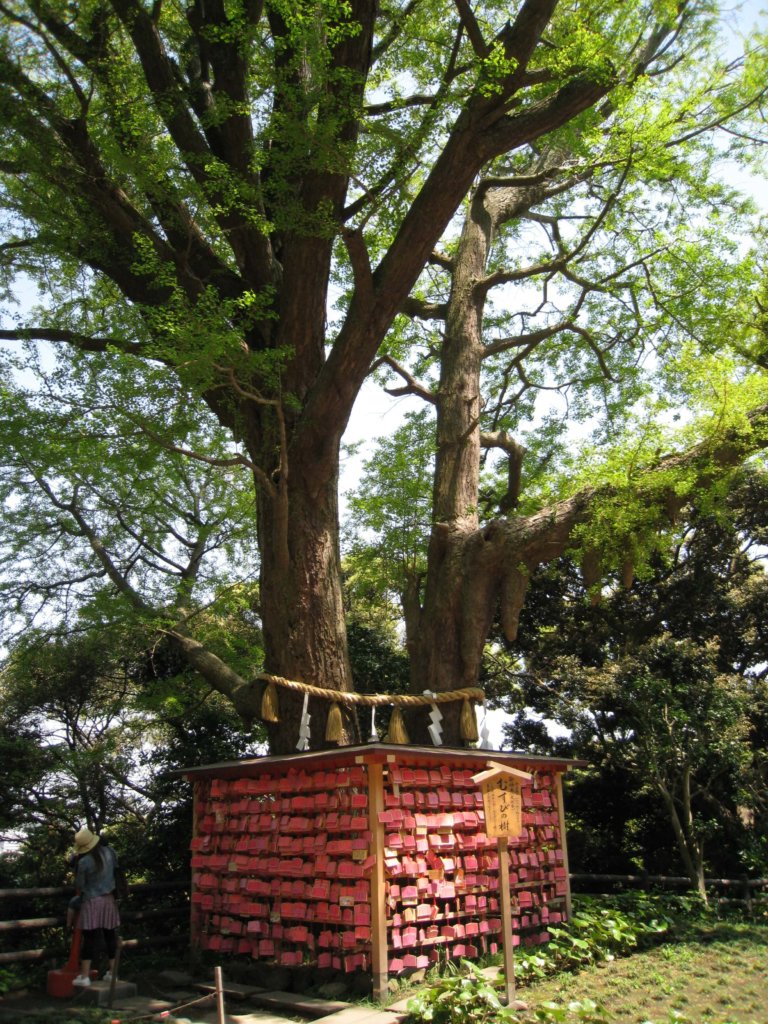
{"x": 397, "y": 733}
{"x": 473, "y": 693}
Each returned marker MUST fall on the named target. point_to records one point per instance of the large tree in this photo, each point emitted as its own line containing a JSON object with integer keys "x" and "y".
{"x": 186, "y": 184}
{"x": 662, "y": 689}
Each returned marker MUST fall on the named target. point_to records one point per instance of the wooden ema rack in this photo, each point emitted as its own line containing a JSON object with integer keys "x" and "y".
{"x": 370, "y": 858}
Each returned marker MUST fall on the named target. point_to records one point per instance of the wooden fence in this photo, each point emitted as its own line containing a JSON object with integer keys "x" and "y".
{"x": 157, "y": 913}
{"x": 154, "y": 914}
{"x": 742, "y": 890}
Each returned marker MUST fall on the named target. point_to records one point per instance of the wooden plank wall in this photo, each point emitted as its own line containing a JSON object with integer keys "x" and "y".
{"x": 374, "y": 867}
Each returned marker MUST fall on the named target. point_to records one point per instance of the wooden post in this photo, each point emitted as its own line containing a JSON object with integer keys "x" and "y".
{"x": 220, "y": 1015}
{"x": 193, "y": 915}
{"x": 563, "y": 842}
{"x": 506, "y": 919}
{"x": 378, "y": 890}
{"x": 113, "y": 980}
{"x": 501, "y": 786}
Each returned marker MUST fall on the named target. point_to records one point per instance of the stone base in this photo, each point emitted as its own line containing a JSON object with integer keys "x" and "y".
{"x": 60, "y": 982}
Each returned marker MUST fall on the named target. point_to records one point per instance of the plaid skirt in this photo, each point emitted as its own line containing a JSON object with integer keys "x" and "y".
{"x": 99, "y": 912}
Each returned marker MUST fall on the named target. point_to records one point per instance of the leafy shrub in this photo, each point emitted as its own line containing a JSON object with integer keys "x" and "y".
{"x": 596, "y": 932}
{"x": 8, "y": 980}
{"x": 600, "y": 929}
{"x": 466, "y": 996}
{"x": 458, "y": 998}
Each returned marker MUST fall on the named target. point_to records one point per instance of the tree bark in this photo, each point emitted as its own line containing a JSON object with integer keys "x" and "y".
{"x": 467, "y": 567}
{"x": 302, "y": 605}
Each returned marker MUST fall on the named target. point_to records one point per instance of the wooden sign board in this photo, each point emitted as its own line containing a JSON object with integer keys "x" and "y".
{"x": 501, "y": 787}
{"x": 502, "y": 802}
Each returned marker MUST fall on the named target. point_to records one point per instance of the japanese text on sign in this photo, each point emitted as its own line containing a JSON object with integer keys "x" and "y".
{"x": 502, "y": 802}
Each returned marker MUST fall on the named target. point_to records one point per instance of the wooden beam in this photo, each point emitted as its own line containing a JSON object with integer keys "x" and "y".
{"x": 563, "y": 841}
{"x": 496, "y": 768}
{"x": 506, "y": 920}
{"x": 194, "y": 916}
{"x": 379, "y": 972}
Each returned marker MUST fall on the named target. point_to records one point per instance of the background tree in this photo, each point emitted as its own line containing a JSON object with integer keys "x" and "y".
{"x": 107, "y": 522}
{"x": 96, "y": 726}
{"x": 388, "y": 524}
{"x": 185, "y": 184}
{"x": 380, "y": 665}
{"x": 662, "y": 689}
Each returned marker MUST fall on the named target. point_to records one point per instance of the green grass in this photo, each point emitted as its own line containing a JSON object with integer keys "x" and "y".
{"x": 703, "y": 970}
{"x": 716, "y": 975}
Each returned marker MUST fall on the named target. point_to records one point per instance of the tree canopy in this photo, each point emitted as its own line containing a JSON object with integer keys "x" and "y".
{"x": 499, "y": 204}
{"x": 662, "y": 690}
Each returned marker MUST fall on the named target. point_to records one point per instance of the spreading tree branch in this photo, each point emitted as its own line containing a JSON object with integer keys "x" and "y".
{"x": 472, "y": 28}
{"x": 82, "y": 342}
{"x": 412, "y": 386}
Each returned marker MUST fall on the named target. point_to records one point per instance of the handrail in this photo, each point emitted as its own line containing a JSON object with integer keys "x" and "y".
{"x": 22, "y": 924}
{"x": 19, "y": 955}
{"x": 8, "y": 927}
{"x": 742, "y": 883}
{"x": 66, "y": 890}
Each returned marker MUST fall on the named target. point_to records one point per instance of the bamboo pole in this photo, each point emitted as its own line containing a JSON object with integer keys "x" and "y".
{"x": 32, "y": 923}
{"x": 69, "y": 890}
{"x": 670, "y": 881}
{"x": 51, "y": 953}
{"x": 220, "y": 1014}
{"x": 20, "y": 924}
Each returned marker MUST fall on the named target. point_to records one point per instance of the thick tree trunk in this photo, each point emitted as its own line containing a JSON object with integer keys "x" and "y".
{"x": 302, "y": 609}
{"x": 441, "y": 651}
{"x": 467, "y": 567}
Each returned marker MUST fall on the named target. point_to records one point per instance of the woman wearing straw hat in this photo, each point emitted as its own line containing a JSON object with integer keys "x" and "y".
{"x": 99, "y": 917}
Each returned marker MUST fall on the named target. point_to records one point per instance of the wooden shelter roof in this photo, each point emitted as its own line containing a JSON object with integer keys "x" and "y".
{"x": 373, "y": 753}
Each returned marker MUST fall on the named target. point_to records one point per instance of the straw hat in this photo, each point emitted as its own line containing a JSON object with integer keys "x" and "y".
{"x": 85, "y": 840}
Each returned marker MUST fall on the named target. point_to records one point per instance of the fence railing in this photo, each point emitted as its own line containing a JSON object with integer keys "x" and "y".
{"x": 725, "y": 890}
{"x": 165, "y": 906}
{"x": 155, "y": 914}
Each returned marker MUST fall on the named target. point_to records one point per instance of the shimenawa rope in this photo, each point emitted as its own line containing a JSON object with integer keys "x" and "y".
{"x": 397, "y": 733}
